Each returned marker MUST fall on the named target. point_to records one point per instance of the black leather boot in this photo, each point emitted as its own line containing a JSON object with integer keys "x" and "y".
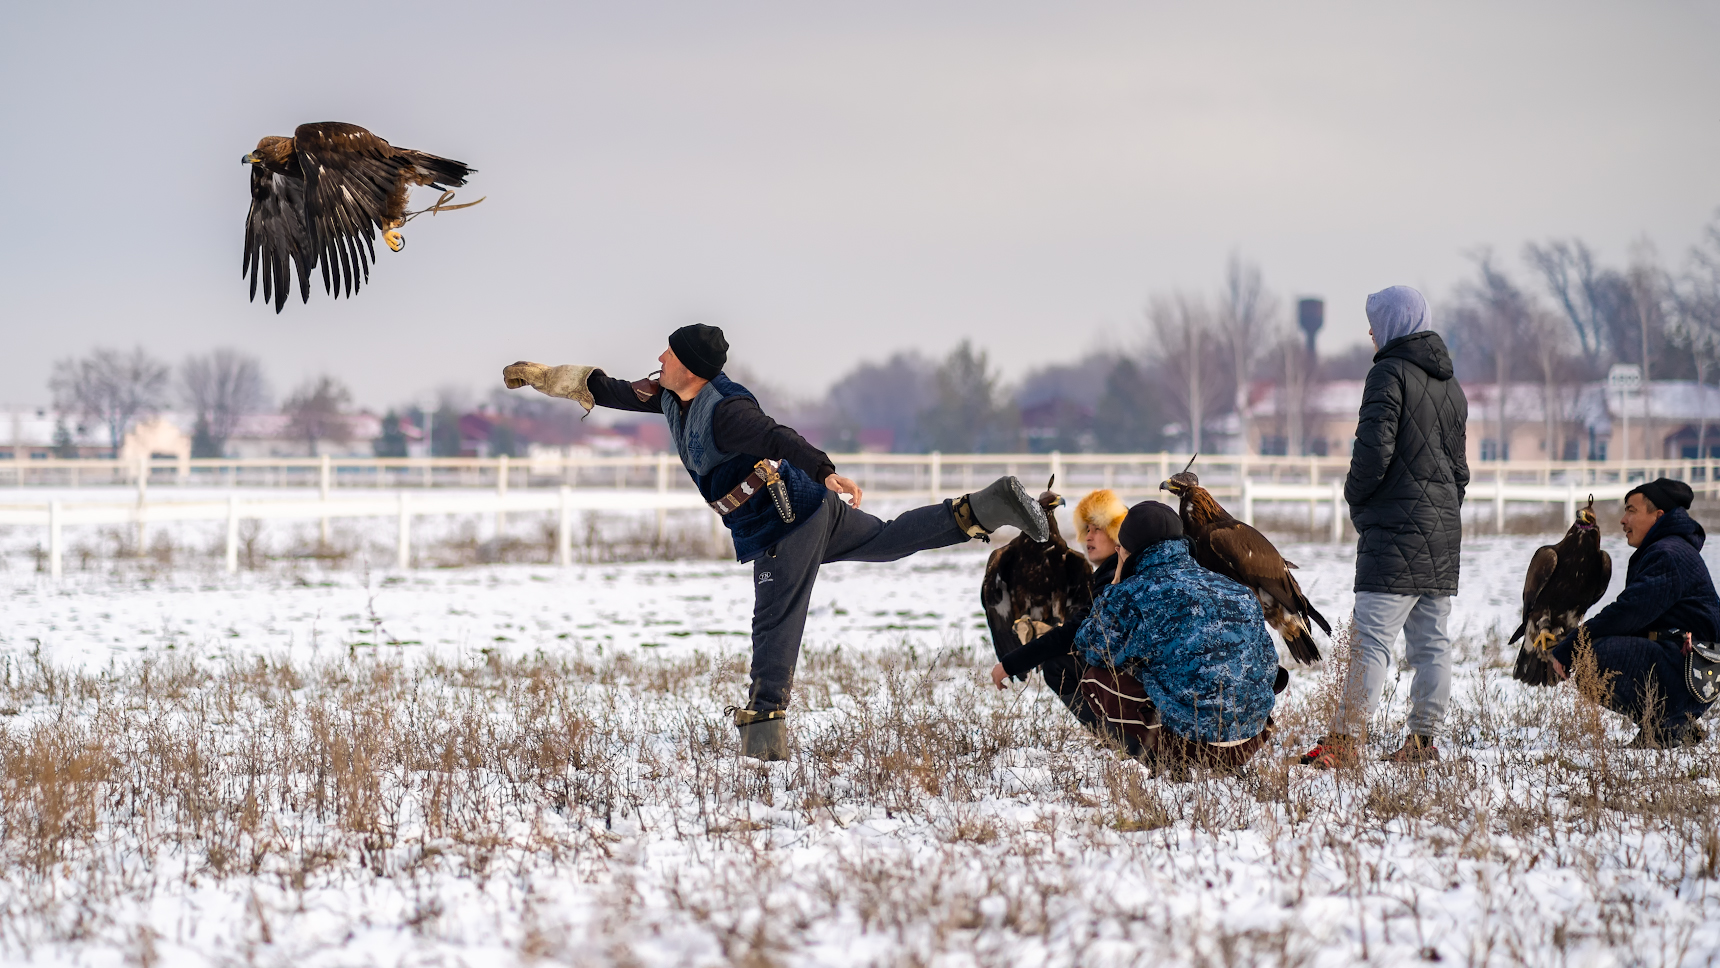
{"x": 1005, "y": 502}
{"x": 764, "y": 736}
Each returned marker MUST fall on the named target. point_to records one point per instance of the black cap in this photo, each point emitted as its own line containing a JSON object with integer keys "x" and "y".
{"x": 701, "y": 349}
{"x": 1664, "y": 493}
{"x": 1148, "y": 523}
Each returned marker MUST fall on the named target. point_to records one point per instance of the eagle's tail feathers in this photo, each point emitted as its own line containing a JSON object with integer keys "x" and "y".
{"x": 1319, "y": 619}
{"x": 1302, "y": 647}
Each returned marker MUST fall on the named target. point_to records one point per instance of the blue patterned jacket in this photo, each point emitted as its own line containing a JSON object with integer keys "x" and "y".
{"x": 1195, "y": 639}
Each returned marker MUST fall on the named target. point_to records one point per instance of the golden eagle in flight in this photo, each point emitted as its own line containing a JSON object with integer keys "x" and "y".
{"x": 1044, "y": 582}
{"x": 319, "y": 197}
{"x": 1242, "y": 554}
{"x": 1564, "y": 581}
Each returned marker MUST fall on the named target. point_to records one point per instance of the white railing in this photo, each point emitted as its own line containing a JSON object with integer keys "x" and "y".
{"x": 933, "y": 475}
{"x": 1569, "y": 494}
{"x": 402, "y": 505}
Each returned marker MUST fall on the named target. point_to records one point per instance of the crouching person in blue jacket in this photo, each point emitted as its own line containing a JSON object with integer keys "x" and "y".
{"x": 1178, "y": 657}
{"x": 1657, "y": 646}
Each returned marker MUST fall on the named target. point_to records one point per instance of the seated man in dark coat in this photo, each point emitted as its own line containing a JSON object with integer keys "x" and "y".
{"x": 1641, "y": 638}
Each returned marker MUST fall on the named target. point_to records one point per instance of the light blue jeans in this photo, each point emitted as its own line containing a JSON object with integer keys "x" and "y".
{"x": 1427, "y": 645}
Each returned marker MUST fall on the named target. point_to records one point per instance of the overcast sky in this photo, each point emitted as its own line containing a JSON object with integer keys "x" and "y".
{"x": 828, "y": 182}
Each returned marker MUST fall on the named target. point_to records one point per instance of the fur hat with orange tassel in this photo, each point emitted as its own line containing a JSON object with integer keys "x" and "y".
{"x": 1102, "y": 509}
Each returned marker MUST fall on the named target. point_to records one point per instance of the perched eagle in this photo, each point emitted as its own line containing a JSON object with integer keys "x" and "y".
{"x": 1242, "y": 554}
{"x": 1564, "y": 581}
{"x": 1039, "y": 581}
{"x": 319, "y": 197}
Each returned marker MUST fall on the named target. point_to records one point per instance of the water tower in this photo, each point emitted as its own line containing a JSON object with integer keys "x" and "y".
{"x": 1310, "y": 316}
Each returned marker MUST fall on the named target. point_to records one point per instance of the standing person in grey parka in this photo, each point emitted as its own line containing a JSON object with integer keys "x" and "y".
{"x": 781, "y": 499}
{"x": 1405, "y": 489}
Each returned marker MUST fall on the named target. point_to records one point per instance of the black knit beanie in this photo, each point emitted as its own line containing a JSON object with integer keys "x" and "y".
{"x": 1148, "y": 523}
{"x": 1664, "y": 493}
{"x": 701, "y": 349}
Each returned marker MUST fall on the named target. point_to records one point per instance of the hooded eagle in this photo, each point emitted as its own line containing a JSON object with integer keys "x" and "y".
{"x": 1043, "y": 582}
{"x": 1242, "y": 554}
{"x": 318, "y": 198}
{"x": 1564, "y": 581}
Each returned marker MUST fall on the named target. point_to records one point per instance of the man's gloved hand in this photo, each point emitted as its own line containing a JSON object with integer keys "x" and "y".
{"x": 556, "y": 381}
{"x": 523, "y": 374}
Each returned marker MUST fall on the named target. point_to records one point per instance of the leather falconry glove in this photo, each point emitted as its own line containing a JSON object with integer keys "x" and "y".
{"x": 557, "y": 381}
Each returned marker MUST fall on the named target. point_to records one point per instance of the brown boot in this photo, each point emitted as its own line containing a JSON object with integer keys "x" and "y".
{"x": 1332, "y": 752}
{"x": 1415, "y": 749}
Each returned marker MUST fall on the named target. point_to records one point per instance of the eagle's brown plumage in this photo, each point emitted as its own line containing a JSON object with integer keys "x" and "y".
{"x": 318, "y": 198}
{"x": 1046, "y": 581}
{"x": 1564, "y": 580}
{"x": 1242, "y": 554}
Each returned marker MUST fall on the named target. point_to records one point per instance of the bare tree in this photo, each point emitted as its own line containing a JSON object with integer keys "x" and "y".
{"x": 1503, "y": 314}
{"x": 1648, "y": 287}
{"x": 1546, "y": 338}
{"x": 317, "y": 411}
{"x": 1695, "y": 324}
{"x": 219, "y": 388}
{"x": 1190, "y": 366}
{"x": 1246, "y": 320}
{"x": 1568, "y": 269}
{"x": 110, "y": 387}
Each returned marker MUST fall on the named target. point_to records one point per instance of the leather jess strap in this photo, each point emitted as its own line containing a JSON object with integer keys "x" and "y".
{"x": 763, "y": 474}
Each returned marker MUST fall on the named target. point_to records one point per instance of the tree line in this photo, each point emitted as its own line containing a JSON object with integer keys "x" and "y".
{"x": 1559, "y": 318}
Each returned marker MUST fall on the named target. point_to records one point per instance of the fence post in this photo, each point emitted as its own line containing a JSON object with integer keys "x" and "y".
{"x": 1248, "y": 502}
{"x": 501, "y": 494}
{"x": 1570, "y": 503}
{"x": 937, "y": 474}
{"x": 323, "y": 480}
{"x": 233, "y": 533}
{"x": 1337, "y": 511}
{"x": 564, "y": 528}
{"x": 403, "y": 553}
{"x": 662, "y": 491}
{"x": 54, "y": 551}
{"x": 142, "y": 500}
{"x": 1057, "y": 466}
{"x": 1499, "y": 503}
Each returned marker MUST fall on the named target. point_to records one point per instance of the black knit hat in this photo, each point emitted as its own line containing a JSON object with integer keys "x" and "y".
{"x": 1148, "y": 523}
{"x": 1664, "y": 493}
{"x": 701, "y": 349}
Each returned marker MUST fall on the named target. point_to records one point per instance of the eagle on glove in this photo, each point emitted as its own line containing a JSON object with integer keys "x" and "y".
{"x": 1030, "y": 585}
{"x": 1564, "y": 581}
{"x": 1242, "y": 554}
{"x": 318, "y": 198}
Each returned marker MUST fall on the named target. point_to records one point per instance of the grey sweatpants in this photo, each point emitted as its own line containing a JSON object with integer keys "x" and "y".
{"x": 783, "y": 577}
{"x": 1427, "y": 645}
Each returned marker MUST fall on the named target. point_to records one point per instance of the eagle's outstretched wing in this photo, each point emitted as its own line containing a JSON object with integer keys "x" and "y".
{"x": 349, "y": 176}
{"x": 276, "y": 234}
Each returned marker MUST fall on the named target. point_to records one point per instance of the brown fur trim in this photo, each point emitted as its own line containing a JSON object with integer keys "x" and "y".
{"x": 1102, "y": 507}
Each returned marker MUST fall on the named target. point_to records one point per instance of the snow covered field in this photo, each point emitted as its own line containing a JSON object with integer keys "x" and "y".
{"x": 507, "y": 764}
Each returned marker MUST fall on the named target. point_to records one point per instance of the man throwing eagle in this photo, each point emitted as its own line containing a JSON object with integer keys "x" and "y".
{"x": 781, "y": 499}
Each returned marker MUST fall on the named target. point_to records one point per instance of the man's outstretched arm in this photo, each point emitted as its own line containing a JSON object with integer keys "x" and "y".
{"x": 586, "y": 385}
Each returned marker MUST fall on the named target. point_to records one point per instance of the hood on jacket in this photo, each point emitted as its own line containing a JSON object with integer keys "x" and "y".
{"x": 1425, "y": 349}
{"x": 1676, "y": 523}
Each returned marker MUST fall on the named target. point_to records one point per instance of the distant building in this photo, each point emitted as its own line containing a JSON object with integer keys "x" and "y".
{"x": 1588, "y": 421}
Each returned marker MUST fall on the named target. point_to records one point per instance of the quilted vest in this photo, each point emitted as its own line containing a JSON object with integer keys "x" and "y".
{"x": 755, "y": 525}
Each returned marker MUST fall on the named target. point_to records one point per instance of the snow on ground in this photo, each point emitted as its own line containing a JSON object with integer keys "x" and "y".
{"x": 924, "y": 819}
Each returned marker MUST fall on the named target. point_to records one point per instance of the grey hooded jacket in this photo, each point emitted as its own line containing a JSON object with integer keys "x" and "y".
{"x": 1408, "y": 471}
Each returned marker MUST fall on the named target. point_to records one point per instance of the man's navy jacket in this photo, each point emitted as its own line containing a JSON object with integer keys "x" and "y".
{"x": 1666, "y": 585}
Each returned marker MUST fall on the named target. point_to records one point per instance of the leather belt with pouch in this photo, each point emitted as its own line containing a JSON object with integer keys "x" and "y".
{"x": 1701, "y": 662}
{"x": 763, "y": 478}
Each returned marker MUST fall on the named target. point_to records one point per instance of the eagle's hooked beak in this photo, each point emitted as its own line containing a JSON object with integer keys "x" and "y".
{"x": 251, "y": 158}
{"x": 1167, "y": 486}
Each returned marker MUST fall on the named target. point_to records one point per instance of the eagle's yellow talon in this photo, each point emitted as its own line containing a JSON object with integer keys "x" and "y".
{"x": 1545, "y": 640}
{"x": 395, "y": 240}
